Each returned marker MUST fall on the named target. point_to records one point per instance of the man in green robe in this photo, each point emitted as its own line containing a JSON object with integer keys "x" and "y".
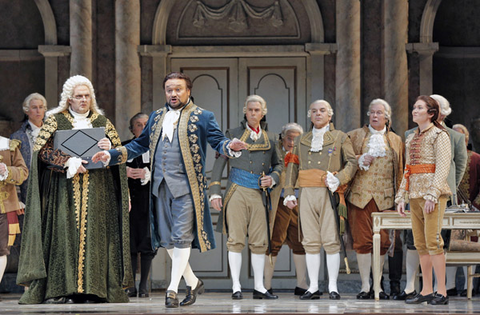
{"x": 75, "y": 244}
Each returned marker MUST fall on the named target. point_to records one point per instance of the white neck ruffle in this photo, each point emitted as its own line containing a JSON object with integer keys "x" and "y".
{"x": 80, "y": 121}
{"x": 317, "y": 139}
{"x": 376, "y": 144}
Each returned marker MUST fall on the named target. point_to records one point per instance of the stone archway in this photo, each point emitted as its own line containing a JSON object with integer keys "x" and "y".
{"x": 428, "y": 19}
{"x": 50, "y": 51}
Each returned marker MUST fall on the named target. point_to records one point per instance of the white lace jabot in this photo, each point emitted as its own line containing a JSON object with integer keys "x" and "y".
{"x": 376, "y": 144}
{"x": 253, "y": 135}
{"x": 317, "y": 139}
{"x": 80, "y": 121}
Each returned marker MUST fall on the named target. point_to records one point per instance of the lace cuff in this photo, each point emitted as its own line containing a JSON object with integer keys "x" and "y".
{"x": 147, "y": 176}
{"x": 332, "y": 181}
{"x": 431, "y": 198}
{"x": 214, "y": 196}
{"x": 5, "y": 175}
{"x": 289, "y": 198}
{"x": 360, "y": 163}
{"x": 72, "y": 166}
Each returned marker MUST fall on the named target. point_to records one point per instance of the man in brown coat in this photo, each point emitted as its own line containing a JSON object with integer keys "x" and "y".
{"x": 321, "y": 160}
{"x": 13, "y": 171}
{"x": 380, "y": 168}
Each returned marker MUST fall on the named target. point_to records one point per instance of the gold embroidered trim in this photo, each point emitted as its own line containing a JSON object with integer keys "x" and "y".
{"x": 112, "y": 134}
{"x": 83, "y": 235}
{"x": 464, "y": 185}
{"x": 3, "y": 196}
{"x": 122, "y": 158}
{"x": 256, "y": 147}
{"x": 76, "y": 197}
{"x": 189, "y": 161}
{"x": 14, "y": 143}
{"x": 48, "y": 128}
{"x": 156, "y": 131}
{"x": 214, "y": 183}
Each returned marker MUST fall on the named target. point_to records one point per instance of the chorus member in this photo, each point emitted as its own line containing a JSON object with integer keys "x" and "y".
{"x": 428, "y": 157}
{"x": 321, "y": 159}
{"x": 380, "y": 168}
{"x": 243, "y": 210}
{"x": 284, "y": 221}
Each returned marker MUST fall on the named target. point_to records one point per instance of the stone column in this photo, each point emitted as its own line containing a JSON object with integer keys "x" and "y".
{"x": 425, "y": 53}
{"x": 395, "y": 60}
{"x": 315, "y": 70}
{"x": 347, "y": 107}
{"x": 127, "y": 64}
{"x": 81, "y": 37}
{"x": 51, "y": 54}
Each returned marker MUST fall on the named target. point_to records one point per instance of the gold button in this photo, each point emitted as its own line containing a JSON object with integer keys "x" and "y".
{"x": 309, "y": 162}
{"x": 251, "y": 162}
{"x": 309, "y": 152}
{"x": 320, "y": 153}
{"x": 263, "y": 164}
{"x": 319, "y": 162}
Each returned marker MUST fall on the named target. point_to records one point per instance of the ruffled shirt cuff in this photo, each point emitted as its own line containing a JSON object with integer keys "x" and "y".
{"x": 360, "y": 163}
{"x": 147, "y": 176}
{"x": 233, "y": 153}
{"x": 332, "y": 182}
{"x": 289, "y": 198}
{"x": 72, "y": 166}
{"x": 214, "y": 196}
{"x": 5, "y": 175}
{"x": 108, "y": 160}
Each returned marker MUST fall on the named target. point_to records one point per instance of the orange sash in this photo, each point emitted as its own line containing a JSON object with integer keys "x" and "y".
{"x": 417, "y": 169}
{"x": 311, "y": 178}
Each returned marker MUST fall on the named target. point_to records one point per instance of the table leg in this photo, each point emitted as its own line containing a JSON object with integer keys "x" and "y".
{"x": 376, "y": 265}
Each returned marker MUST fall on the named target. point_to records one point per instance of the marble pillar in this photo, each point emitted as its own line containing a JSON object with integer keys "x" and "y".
{"x": 347, "y": 108}
{"x": 81, "y": 37}
{"x": 395, "y": 62}
{"x": 127, "y": 64}
{"x": 316, "y": 70}
{"x": 425, "y": 53}
{"x": 51, "y": 54}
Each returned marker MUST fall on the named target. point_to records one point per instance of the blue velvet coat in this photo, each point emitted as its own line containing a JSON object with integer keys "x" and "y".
{"x": 25, "y": 150}
{"x": 196, "y": 127}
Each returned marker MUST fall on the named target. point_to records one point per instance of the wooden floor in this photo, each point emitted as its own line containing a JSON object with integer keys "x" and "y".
{"x": 221, "y": 303}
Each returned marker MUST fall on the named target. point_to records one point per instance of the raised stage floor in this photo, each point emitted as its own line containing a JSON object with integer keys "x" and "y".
{"x": 221, "y": 303}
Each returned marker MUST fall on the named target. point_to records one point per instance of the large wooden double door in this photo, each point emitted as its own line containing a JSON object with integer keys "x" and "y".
{"x": 221, "y": 85}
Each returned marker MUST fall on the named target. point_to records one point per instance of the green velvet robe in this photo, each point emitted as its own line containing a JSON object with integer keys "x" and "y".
{"x": 76, "y": 231}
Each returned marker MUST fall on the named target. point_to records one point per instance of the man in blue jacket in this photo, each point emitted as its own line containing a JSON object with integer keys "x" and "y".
{"x": 176, "y": 136}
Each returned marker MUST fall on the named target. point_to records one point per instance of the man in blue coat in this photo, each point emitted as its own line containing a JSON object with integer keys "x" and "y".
{"x": 177, "y": 137}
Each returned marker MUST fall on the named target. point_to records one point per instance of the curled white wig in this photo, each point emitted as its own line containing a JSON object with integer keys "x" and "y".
{"x": 67, "y": 93}
{"x": 291, "y": 127}
{"x": 327, "y": 104}
{"x": 464, "y": 129}
{"x": 444, "y": 104}
{"x": 31, "y": 97}
{"x": 386, "y": 106}
{"x": 255, "y": 98}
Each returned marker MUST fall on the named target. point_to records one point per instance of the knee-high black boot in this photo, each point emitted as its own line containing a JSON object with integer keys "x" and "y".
{"x": 395, "y": 271}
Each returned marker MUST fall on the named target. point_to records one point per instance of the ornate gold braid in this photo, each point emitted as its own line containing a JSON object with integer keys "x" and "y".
{"x": 14, "y": 144}
{"x": 192, "y": 177}
{"x": 83, "y": 228}
{"x": 77, "y": 197}
{"x": 48, "y": 128}
{"x": 214, "y": 183}
{"x": 256, "y": 147}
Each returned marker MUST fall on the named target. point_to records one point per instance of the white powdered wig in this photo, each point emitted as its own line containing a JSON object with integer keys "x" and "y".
{"x": 444, "y": 104}
{"x": 255, "y": 98}
{"x": 31, "y": 97}
{"x": 67, "y": 93}
{"x": 329, "y": 108}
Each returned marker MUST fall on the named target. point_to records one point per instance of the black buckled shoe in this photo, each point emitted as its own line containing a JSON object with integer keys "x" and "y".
{"x": 257, "y": 295}
{"x": 403, "y": 296}
{"x": 334, "y": 295}
{"x": 310, "y": 296}
{"x": 452, "y": 292}
{"x": 382, "y": 295}
{"x": 419, "y": 298}
{"x": 298, "y": 291}
{"x": 171, "y": 300}
{"x": 363, "y": 295}
{"x": 439, "y": 300}
{"x": 192, "y": 294}
{"x": 237, "y": 295}
{"x": 270, "y": 291}
{"x": 143, "y": 293}
{"x": 131, "y": 292}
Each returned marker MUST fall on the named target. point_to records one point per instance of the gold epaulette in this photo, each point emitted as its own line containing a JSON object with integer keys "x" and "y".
{"x": 14, "y": 144}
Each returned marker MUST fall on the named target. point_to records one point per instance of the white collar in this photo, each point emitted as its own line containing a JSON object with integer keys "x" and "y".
{"x": 78, "y": 115}
{"x": 4, "y": 143}
{"x": 33, "y": 126}
{"x": 253, "y": 135}
{"x": 374, "y": 131}
{"x": 317, "y": 138}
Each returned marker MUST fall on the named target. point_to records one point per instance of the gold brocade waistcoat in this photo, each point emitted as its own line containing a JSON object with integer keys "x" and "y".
{"x": 376, "y": 183}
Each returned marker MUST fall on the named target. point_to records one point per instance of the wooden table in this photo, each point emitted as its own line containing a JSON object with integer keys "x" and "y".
{"x": 392, "y": 220}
